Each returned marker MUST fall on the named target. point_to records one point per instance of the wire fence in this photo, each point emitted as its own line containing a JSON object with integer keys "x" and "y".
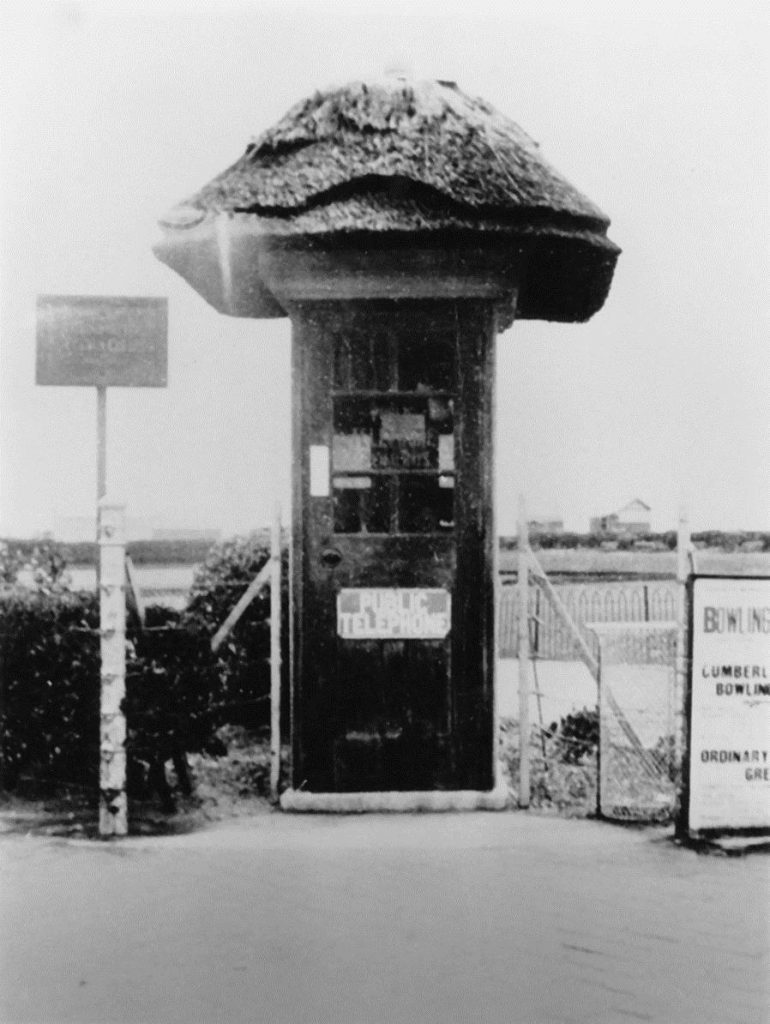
{"x": 603, "y": 703}
{"x": 605, "y": 744}
{"x": 551, "y": 638}
{"x": 638, "y": 718}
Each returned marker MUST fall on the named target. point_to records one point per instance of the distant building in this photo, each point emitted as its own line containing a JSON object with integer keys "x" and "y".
{"x": 631, "y": 520}
{"x": 545, "y": 524}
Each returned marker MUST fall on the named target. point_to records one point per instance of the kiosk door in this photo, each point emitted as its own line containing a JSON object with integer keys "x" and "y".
{"x": 384, "y": 629}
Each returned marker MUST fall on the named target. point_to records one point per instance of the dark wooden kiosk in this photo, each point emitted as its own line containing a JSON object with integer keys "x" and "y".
{"x": 401, "y": 226}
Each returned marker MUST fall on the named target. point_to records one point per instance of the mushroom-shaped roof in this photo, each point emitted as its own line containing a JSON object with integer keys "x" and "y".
{"x": 399, "y": 156}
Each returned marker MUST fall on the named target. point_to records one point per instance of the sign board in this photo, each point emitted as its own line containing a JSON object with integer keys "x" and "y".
{"x": 393, "y": 614}
{"x": 102, "y": 341}
{"x": 319, "y": 471}
{"x": 729, "y": 749}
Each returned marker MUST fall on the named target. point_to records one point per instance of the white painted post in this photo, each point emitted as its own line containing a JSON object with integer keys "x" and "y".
{"x": 101, "y": 442}
{"x": 682, "y": 613}
{"x": 101, "y": 458}
{"x": 275, "y": 653}
{"x": 523, "y": 600}
{"x": 113, "y": 808}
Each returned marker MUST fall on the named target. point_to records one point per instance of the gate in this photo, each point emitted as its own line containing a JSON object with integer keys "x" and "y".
{"x": 634, "y": 665}
{"x": 638, "y": 773}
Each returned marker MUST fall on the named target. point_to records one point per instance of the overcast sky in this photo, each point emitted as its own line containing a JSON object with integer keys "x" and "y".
{"x": 112, "y": 114}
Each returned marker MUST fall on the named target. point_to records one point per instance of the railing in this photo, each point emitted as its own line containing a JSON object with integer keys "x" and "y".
{"x": 551, "y": 640}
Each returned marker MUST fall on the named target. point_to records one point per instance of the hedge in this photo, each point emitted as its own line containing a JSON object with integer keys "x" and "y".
{"x": 178, "y": 692}
{"x": 142, "y": 552}
{"x": 49, "y": 682}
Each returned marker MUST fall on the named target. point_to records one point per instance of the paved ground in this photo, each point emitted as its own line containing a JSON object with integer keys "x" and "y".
{"x": 428, "y": 918}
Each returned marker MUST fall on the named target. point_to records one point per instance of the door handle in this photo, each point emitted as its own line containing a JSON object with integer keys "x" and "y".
{"x": 331, "y": 558}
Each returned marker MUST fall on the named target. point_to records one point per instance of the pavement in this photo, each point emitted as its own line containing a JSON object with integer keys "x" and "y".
{"x": 381, "y": 919}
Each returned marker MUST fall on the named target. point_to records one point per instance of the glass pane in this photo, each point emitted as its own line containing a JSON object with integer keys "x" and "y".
{"x": 383, "y": 362}
{"x": 342, "y": 363}
{"x": 425, "y": 506}
{"x": 410, "y": 436}
{"x": 357, "y": 416}
{"x": 363, "y": 363}
{"x": 362, "y": 504}
{"x": 426, "y": 364}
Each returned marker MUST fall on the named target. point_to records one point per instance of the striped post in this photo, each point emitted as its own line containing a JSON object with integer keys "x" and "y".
{"x": 113, "y": 807}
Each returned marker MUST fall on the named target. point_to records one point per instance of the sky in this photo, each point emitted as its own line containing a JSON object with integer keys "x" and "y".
{"x": 113, "y": 112}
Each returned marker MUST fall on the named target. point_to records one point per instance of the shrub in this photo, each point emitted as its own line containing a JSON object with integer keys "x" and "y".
{"x": 577, "y": 736}
{"x": 562, "y": 773}
{"x": 241, "y": 666}
{"x": 664, "y": 756}
{"x": 44, "y": 561}
{"x": 50, "y": 672}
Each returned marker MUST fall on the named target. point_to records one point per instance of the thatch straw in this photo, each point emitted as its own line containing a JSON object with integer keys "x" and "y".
{"x": 424, "y": 132}
{"x": 400, "y": 157}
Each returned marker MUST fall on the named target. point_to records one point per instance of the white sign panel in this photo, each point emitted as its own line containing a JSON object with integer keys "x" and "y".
{"x": 319, "y": 471}
{"x": 393, "y": 614}
{"x": 730, "y": 721}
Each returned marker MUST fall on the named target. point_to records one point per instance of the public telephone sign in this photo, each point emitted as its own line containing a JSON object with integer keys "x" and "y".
{"x": 393, "y": 613}
{"x": 102, "y": 341}
{"x": 729, "y": 749}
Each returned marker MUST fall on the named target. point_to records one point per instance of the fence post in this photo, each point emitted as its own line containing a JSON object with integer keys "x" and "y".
{"x": 275, "y": 653}
{"x": 523, "y": 595}
{"x": 681, "y": 669}
{"x": 113, "y": 807}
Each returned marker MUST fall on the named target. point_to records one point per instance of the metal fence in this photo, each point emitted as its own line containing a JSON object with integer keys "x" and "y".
{"x": 603, "y": 701}
{"x": 638, "y": 718}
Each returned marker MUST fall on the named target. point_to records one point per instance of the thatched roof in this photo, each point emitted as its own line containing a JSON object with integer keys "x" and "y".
{"x": 403, "y": 156}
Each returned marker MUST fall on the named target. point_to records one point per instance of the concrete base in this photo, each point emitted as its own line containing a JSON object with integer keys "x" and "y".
{"x": 360, "y": 803}
{"x": 730, "y": 846}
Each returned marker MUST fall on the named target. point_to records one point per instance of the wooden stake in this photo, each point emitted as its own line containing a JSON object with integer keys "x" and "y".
{"x": 135, "y": 591}
{"x": 523, "y": 595}
{"x": 245, "y": 600}
{"x": 556, "y": 602}
{"x": 275, "y": 653}
{"x": 682, "y": 615}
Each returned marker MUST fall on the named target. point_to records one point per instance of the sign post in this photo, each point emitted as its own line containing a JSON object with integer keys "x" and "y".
{"x": 101, "y": 443}
{"x": 106, "y": 341}
{"x": 727, "y": 767}
{"x": 113, "y": 810}
{"x": 101, "y": 341}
